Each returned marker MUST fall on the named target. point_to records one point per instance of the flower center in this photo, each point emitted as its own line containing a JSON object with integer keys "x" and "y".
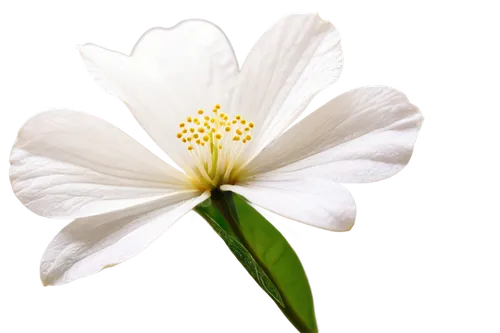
{"x": 215, "y": 143}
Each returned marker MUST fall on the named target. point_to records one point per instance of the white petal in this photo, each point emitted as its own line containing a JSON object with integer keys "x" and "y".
{"x": 91, "y": 244}
{"x": 320, "y": 203}
{"x": 170, "y": 74}
{"x": 70, "y": 164}
{"x": 293, "y": 61}
{"x": 364, "y": 135}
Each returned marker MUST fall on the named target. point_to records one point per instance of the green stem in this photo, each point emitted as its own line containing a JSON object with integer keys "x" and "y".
{"x": 224, "y": 203}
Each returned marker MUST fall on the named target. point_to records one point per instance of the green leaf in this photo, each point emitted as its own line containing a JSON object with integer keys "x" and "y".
{"x": 264, "y": 253}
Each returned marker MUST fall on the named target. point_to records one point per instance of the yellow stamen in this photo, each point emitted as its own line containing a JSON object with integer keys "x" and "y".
{"x": 211, "y": 167}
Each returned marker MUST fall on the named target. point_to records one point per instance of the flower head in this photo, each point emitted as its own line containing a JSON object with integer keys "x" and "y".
{"x": 225, "y": 127}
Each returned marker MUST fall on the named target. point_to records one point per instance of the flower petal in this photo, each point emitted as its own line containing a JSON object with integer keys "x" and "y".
{"x": 293, "y": 61}
{"x": 90, "y": 244}
{"x": 320, "y": 203}
{"x": 170, "y": 74}
{"x": 69, "y": 164}
{"x": 364, "y": 135}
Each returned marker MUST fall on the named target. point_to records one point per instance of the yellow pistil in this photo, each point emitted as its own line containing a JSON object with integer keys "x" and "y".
{"x": 215, "y": 156}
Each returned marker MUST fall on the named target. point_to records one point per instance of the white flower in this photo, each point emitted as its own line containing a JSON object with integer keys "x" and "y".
{"x": 223, "y": 126}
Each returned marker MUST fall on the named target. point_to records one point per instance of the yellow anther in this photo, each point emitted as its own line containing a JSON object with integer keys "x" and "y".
{"x": 234, "y": 121}
{"x": 191, "y": 130}
{"x": 247, "y": 129}
{"x": 220, "y": 146}
{"x": 202, "y": 144}
{"x": 222, "y": 115}
{"x": 218, "y": 136}
{"x": 206, "y": 118}
{"x": 243, "y": 121}
{"x": 182, "y": 125}
{"x": 179, "y": 135}
{"x": 201, "y": 130}
{"x": 206, "y": 124}
{"x": 217, "y": 106}
{"x": 184, "y": 140}
{"x": 189, "y": 119}
{"x": 205, "y": 138}
{"x": 195, "y": 135}
{"x": 239, "y": 132}
{"x": 189, "y": 139}
{"x": 222, "y": 123}
{"x": 227, "y": 129}
{"x": 200, "y": 111}
{"x": 214, "y": 130}
{"x": 248, "y": 137}
{"x": 236, "y": 138}
{"x": 184, "y": 131}
{"x": 238, "y": 117}
{"x": 190, "y": 147}
{"x": 251, "y": 125}
{"x": 226, "y": 118}
{"x": 215, "y": 110}
{"x": 244, "y": 141}
{"x": 198, "y": 141}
